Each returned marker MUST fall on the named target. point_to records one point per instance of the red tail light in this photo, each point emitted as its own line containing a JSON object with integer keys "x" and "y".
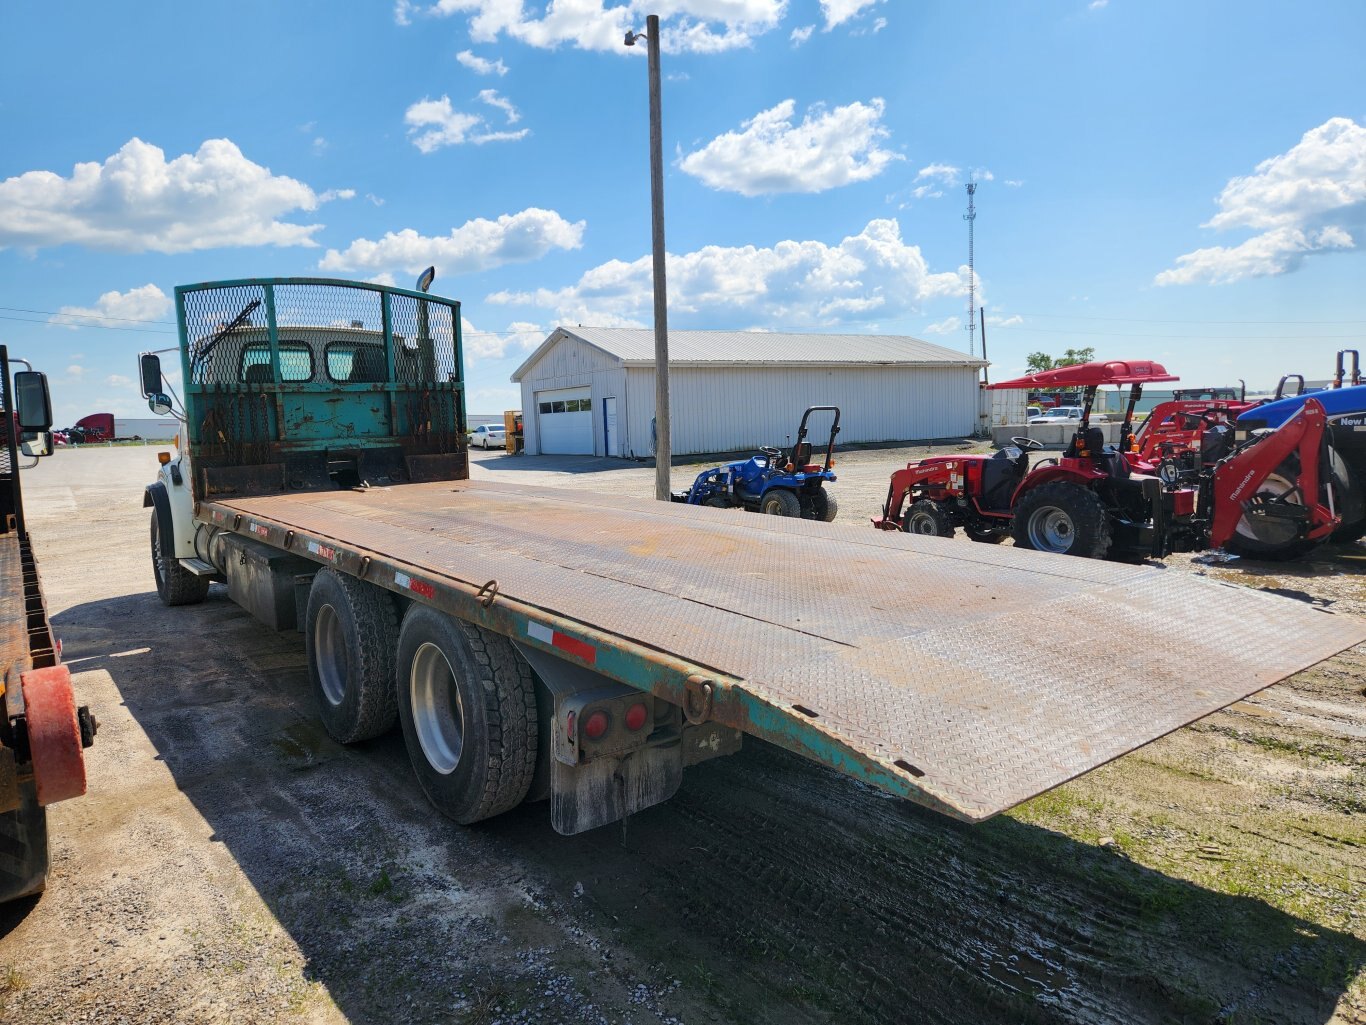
{"x": 595, "y": 725}
{"x": 635, "y": 716}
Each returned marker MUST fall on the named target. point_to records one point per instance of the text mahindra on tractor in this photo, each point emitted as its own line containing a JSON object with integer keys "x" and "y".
{"x": 1271, "y": 498}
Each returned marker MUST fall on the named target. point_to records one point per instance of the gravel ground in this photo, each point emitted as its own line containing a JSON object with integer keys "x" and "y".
{"x": 232, "y": 864}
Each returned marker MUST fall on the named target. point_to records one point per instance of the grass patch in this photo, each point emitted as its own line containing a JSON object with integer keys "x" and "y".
{"x": 10, "y": 980}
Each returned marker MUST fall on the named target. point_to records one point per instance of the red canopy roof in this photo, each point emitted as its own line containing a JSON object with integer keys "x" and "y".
{"x": 1115, "y": 371}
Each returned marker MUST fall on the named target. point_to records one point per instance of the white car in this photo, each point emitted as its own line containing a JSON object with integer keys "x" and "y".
{"x": 1058, "y": 415}
{"x": 486, "y": 436}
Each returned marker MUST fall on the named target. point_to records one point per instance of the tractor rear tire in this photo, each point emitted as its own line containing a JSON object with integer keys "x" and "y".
{"x": 927, "y": 517}
{"x": 350, "y": 633}
{"x": 1351, "y": 503}
{"x": 824, "y": 507}
{"x": 467, "y": 702}
{"x": 175, "y": 584}
{"x": 781, "y": 502}
{"x": 1062, "y": 518}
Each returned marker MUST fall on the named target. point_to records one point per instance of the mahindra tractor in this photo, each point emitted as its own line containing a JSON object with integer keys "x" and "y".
{"x": 1271, "y": 497}
{"x": 773, "y": 481}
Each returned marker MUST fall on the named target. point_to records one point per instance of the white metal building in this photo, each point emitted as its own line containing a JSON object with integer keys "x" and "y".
{"x": 591, "y": 391}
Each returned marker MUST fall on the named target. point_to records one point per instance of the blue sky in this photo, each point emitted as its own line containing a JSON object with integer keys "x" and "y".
{"x": 1176, "y": 181}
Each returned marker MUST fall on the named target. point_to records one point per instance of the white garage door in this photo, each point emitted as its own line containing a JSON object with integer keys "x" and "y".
{"x": 565, "y": 421}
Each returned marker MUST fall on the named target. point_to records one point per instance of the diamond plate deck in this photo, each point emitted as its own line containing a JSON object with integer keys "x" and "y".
{"x": 970, "y": 676}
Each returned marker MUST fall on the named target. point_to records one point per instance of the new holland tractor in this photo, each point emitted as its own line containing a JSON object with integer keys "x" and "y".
{"x": 775, "y": 482}
{"x": 1272, "y": 497}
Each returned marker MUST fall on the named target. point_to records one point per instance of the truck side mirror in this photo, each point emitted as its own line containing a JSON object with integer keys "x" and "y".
{"x": 31, "y": 401}
{"x": 159, "y": 404}
{"x": 36, "y": 444}
{"x": 149, "y": 371}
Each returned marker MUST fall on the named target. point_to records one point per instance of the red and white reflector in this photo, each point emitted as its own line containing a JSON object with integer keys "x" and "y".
{"x": 556, "y": 639}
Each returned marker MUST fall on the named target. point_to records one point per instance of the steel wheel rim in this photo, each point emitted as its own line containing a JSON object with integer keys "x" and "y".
{"x": 1276, "y": 486}
{"x": 329, "y": 654}
{"x": 438, "y": 716}
{"x": 1051, "y": 529}
{"x": 922, "y": 524}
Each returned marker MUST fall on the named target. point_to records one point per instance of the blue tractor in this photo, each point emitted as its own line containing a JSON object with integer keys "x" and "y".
{"x": 774, "y": 482}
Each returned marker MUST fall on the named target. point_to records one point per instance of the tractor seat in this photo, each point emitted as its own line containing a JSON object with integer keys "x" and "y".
{"x": 1001, "y": 474}
{"x": 1105, "y": 457}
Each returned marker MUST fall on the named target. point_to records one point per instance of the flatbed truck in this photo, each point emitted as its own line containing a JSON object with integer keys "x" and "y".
{"x": 42, "y": 732}
{"x": 594, "y": 646}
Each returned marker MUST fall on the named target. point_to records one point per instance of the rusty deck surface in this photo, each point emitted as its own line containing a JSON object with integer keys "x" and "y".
{"x": 13, "y": 621}
{"x": 978, "y": 675}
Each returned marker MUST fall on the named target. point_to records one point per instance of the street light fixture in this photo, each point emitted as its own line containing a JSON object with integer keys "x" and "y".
{"x": 663, "y": 450}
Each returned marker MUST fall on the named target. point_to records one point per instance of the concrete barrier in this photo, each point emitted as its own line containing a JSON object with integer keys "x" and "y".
{"x": 1049, "y": 435}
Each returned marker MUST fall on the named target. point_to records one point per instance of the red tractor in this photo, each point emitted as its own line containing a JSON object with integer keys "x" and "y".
{"x": 1266, "y": 499}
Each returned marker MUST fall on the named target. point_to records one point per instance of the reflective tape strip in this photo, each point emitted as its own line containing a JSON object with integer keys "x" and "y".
{"x": 564, "y": 642}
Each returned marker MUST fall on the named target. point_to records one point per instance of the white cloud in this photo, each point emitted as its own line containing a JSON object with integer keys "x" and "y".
{"x": 138, "y": 201}
{"x": 117, "y": 309}
{"x": 828, "y": 149}
{"x": 697, "y": 26}
{"x": 1310, "y": 199}
{"x": 946, "y": 326}
{"x": 474, "y": 246}
{"x": 792, "y": 284}
{"x": 1096, "y": 5}
{"x": 801, "y": 35}
{"x": 837, "y": 12}
{"x": 1013, "y": 320}
{"x": 479, "y": 65}
{"x": 491, "y": 97}
{"x": 446, "y": 126}
{"x": 75, "y": 370}
{"x": 119, "y": 381}
{"x": 520, "y": 337}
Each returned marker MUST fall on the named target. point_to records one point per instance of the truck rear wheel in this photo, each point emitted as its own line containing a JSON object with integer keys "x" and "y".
{"x": 350, "y": 633}
{"x": 467, "y": 702}
{"x": 23, "y": 847}
{"x": 1062, "y": 518}
{"x": 175, "y": 584}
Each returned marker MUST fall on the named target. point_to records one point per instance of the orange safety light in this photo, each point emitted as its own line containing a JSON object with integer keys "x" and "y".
{"x": 163, "y": 458}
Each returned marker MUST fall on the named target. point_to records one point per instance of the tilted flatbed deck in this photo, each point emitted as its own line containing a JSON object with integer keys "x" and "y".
{"x": 963, "y": 677}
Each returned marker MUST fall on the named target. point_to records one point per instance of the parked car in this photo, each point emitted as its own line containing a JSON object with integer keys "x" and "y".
{"x": 1058, "y": 415}
{"x": 488, "y": 436}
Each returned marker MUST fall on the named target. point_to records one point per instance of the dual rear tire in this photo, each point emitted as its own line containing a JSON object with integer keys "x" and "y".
{"x": 464, "y": 697}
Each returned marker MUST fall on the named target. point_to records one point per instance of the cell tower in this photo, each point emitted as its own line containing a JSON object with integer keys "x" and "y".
{"x": 971, "y": 216}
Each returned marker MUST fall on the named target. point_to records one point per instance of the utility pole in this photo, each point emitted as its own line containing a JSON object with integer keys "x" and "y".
{"x": 971, "y": 216}
{"x": 663, "y": 450}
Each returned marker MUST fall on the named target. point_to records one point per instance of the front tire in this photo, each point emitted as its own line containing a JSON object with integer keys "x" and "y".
{"x": 1273, "y": 540}
{"x": 175, "y": 584}
{"x": 1064, "y": 519}
{"x": 350, "y": 633}
{"x": 781, "y": 502}
{"x": 926, "y": 516}
{"x": 467, "y": 703}
{"x": 985, "y": 537}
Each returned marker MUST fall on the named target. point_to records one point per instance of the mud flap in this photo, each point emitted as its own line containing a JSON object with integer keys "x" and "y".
{"x": 597, "y": 784}
{"x": 602, "y": 791}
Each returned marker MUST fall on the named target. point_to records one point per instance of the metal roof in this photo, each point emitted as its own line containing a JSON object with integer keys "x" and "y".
{"x": 636, "y": 347}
